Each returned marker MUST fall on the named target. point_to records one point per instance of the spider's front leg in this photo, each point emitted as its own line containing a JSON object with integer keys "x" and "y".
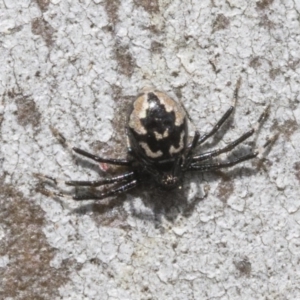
{"x": 227, "y": 114}
{"x": 215, "y": 166}
{"x": 198, "y": 140}
{"x": 232, "y": 145}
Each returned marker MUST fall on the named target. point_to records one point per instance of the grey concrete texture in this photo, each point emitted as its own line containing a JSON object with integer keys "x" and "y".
{"x": 76, "y": 66}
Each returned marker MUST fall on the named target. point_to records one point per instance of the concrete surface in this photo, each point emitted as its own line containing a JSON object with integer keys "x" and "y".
{"x": 76, "y": 66}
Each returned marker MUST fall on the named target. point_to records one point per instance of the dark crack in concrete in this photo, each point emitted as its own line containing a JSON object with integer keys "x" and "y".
{"x": 151, "y": 6}
{"x": 112, "y": 7}
{"x": 221, "y": 22}
{"x": 42, "y": 28}
{"x": 225, "y": 188}
{"x": 28, "y": 113}
{"x": 125, "y": 60}
{"x": 263, "y": 4}
{"x": 43, "y": 4}
{"x": 28, "y": 274}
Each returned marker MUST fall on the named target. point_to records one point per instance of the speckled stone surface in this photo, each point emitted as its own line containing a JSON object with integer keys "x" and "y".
{"x": 76, "y": 66}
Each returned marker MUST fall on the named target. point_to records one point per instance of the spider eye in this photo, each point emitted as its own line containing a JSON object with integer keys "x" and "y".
{"x": 169, "y": 181}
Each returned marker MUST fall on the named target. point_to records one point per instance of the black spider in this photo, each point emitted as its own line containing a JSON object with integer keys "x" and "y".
{"x": 158, "y": 149}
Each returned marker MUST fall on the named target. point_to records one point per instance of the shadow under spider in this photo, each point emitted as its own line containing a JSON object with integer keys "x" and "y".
{"x": 158, "y": 203}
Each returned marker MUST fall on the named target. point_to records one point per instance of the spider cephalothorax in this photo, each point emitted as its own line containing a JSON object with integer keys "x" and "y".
{"x": 158, "y": 148}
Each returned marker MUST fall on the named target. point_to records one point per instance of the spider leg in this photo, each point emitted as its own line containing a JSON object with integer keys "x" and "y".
{"x": 53, "y": 194}
{"x": 210, "y": 154}
{"x": 196, "y": 137}
{"x": 197, "y": 140}
{"x": 113, "y": 161}
{"x": 119, "y": 190}
{"x": 120, "y": 178}
{"x": 204, "y": 137}
{"x": 212, "y": 167}
{"x": 191, "y": 147}
{"x": 65, "y": 143}
{"x": 95, "y": 183}
{"x": 232, "y": 145}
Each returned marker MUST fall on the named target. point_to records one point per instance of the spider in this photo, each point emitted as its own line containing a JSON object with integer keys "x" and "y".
{"x": 158, "y": 148}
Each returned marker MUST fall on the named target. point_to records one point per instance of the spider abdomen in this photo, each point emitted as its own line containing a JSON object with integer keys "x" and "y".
{"x": 157, "y": 127}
